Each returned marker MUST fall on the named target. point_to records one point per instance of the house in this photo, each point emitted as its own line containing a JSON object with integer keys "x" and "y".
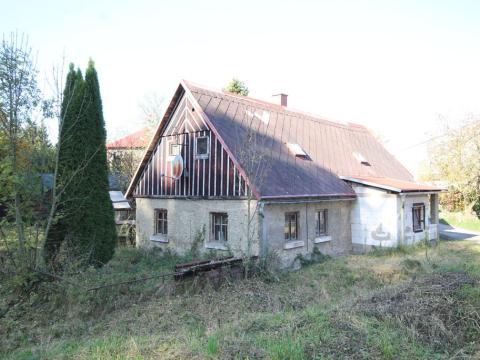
{"x": 124, "y": 154}
{"x": 234, "y": 174}
{"x": 124, "y": 219}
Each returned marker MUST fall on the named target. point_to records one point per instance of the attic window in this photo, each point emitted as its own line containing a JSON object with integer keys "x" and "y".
{"x": 174, "y": 149}
{"x": 361, "y": 159}
{"x": 201, "y": 147}
{"x": 263, "y": 116}
{"x": 297, "y": 150}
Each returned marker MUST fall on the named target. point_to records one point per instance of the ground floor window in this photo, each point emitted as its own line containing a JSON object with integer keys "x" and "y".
{"x": 321, "y": 227}
{"x": 418, "y": 214}
{"x": 291, "y": 226}
{"x": 220, "y": 226}
{"x": 161, "y": 222}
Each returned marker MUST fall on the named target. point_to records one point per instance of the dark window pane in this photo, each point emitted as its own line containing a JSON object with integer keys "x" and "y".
{"x": 202, "y": 146}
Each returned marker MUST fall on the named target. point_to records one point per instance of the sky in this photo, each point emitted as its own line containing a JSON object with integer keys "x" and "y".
{"x": 396, "y": 67}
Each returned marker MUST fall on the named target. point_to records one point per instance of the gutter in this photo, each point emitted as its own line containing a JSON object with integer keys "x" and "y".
{"x": 303, "y": 201}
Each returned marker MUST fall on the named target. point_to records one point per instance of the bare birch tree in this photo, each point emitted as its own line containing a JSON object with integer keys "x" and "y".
{"x": 19, "y": 95}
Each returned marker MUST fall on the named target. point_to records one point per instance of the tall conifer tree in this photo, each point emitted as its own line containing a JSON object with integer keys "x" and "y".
{"x": 85, "y": 218}
{"x": 71, "y": 109}
{"x": 96, "y": 231}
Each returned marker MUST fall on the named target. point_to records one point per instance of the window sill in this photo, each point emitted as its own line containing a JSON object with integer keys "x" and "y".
{"x": 216, "y": 246}
{"x": 293, "y": 244}
{"x": 322, "y": 239}
{"x": 201, "y": 157}
{"x": 159, "y": 238}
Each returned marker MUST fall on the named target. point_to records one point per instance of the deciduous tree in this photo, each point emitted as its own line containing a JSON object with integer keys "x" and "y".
{"x": 236, "y": 86}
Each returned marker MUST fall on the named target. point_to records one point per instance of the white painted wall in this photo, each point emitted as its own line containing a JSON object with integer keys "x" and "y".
{"x": 430, "y": 231}
{"x": 374, "y": 218}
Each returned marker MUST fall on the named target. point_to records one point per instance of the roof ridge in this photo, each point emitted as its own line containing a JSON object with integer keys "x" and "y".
{"x": 311, "y": 116}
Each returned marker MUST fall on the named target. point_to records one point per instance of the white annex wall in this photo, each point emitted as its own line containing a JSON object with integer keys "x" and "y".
{"x": 430, "y": 229}
{"x": 374, "y": 218}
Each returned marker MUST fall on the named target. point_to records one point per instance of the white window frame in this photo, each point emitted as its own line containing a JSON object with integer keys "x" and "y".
{"x": 173, "y": 144}
{"x": 317, "y": 225}
{"x": 165, "y": 222}
{"x": 223, "y": 226}
{"x": 202, "y": 156}
{"x": 297, "y": 229}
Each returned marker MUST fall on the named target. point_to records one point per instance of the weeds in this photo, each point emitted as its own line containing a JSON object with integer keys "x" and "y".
{"x": 381, "y": 306}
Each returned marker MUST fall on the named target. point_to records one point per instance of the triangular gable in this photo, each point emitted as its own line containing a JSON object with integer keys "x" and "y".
{"x": 217, "y": 176}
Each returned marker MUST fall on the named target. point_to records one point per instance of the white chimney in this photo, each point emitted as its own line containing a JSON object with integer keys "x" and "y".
{"x": 280, "y": 99}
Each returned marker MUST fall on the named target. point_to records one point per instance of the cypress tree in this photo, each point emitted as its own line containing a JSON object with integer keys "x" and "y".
{"x": 71, "y": 107}
{"x": 96, "y": 234}
{"x": 85, "y": 215}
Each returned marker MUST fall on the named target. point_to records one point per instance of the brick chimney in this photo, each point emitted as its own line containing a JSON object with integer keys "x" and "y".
{"x": 280, "y": 99}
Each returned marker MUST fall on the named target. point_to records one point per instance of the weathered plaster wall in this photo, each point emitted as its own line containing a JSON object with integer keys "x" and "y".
{"x": 186, "y": 218}
{"x": 337, "y": 243}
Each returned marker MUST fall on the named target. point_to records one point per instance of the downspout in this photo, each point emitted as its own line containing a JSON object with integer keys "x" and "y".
{"x": 437, "y": 220}
{"x": 263, "y": 229}
{"x": 306, "y": 222}
{"x": 402, "y": 219}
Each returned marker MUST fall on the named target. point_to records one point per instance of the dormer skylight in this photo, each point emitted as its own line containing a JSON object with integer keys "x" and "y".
{"x": 261, "y": 115}
{"x": 297, "y": 150}
{"x": 360, "y": 158}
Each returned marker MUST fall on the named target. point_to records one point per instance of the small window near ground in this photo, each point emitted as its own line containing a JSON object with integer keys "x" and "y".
{"x": 418, "y": 214}
{"x": 173, "y": 149}
{"x": 201, "y": 147}
{"x": 322, "y": 222}
{"x": 219, "y": 226}
{"x": 161, "y": 222}
{"x": 291, "y": 226}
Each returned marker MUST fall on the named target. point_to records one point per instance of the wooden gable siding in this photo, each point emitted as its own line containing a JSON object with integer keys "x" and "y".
{"x": 215, "y": 176}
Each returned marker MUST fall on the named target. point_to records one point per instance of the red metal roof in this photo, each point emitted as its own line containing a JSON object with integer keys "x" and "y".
{"x": 334, "y": 149}
{"x": 137, "y": 140}
{"x": 392, "y": 184}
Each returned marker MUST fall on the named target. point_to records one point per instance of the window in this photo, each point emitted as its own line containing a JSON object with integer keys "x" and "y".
{"x": 201, "y": 147}
{"x": 322, "y": 222}
{"x": 297, "y": 150}
{"x": 361, "y": 159}
{"x": 220, "y": 226}
{"x": 161, "y": 223}
{"x": 418, "y": 214}
{"x": 173, "y": 149}
{"x": 123, "y": 215}
{"x": 291, "y": 226}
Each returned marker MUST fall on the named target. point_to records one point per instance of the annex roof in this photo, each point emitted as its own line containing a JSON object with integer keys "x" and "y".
{"x": 393, "y": 185}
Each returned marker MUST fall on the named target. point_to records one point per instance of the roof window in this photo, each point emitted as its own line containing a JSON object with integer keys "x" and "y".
{"x": 262, "y": 115}
{"x": 361, "y": 159}
{"x": 297, "y": 150}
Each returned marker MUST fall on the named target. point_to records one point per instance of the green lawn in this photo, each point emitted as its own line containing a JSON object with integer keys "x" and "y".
{"x": 405, "y": 304}
{"x": 460, "y": 220}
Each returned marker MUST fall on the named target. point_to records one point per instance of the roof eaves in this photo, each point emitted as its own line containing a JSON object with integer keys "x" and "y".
{"x": 372, "y": 184}
{"x": 310, "y": 196}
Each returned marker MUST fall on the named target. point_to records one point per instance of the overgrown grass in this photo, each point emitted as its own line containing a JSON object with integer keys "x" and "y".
{"x": 325, "y": 310}
{"x": 461, "y": 220}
